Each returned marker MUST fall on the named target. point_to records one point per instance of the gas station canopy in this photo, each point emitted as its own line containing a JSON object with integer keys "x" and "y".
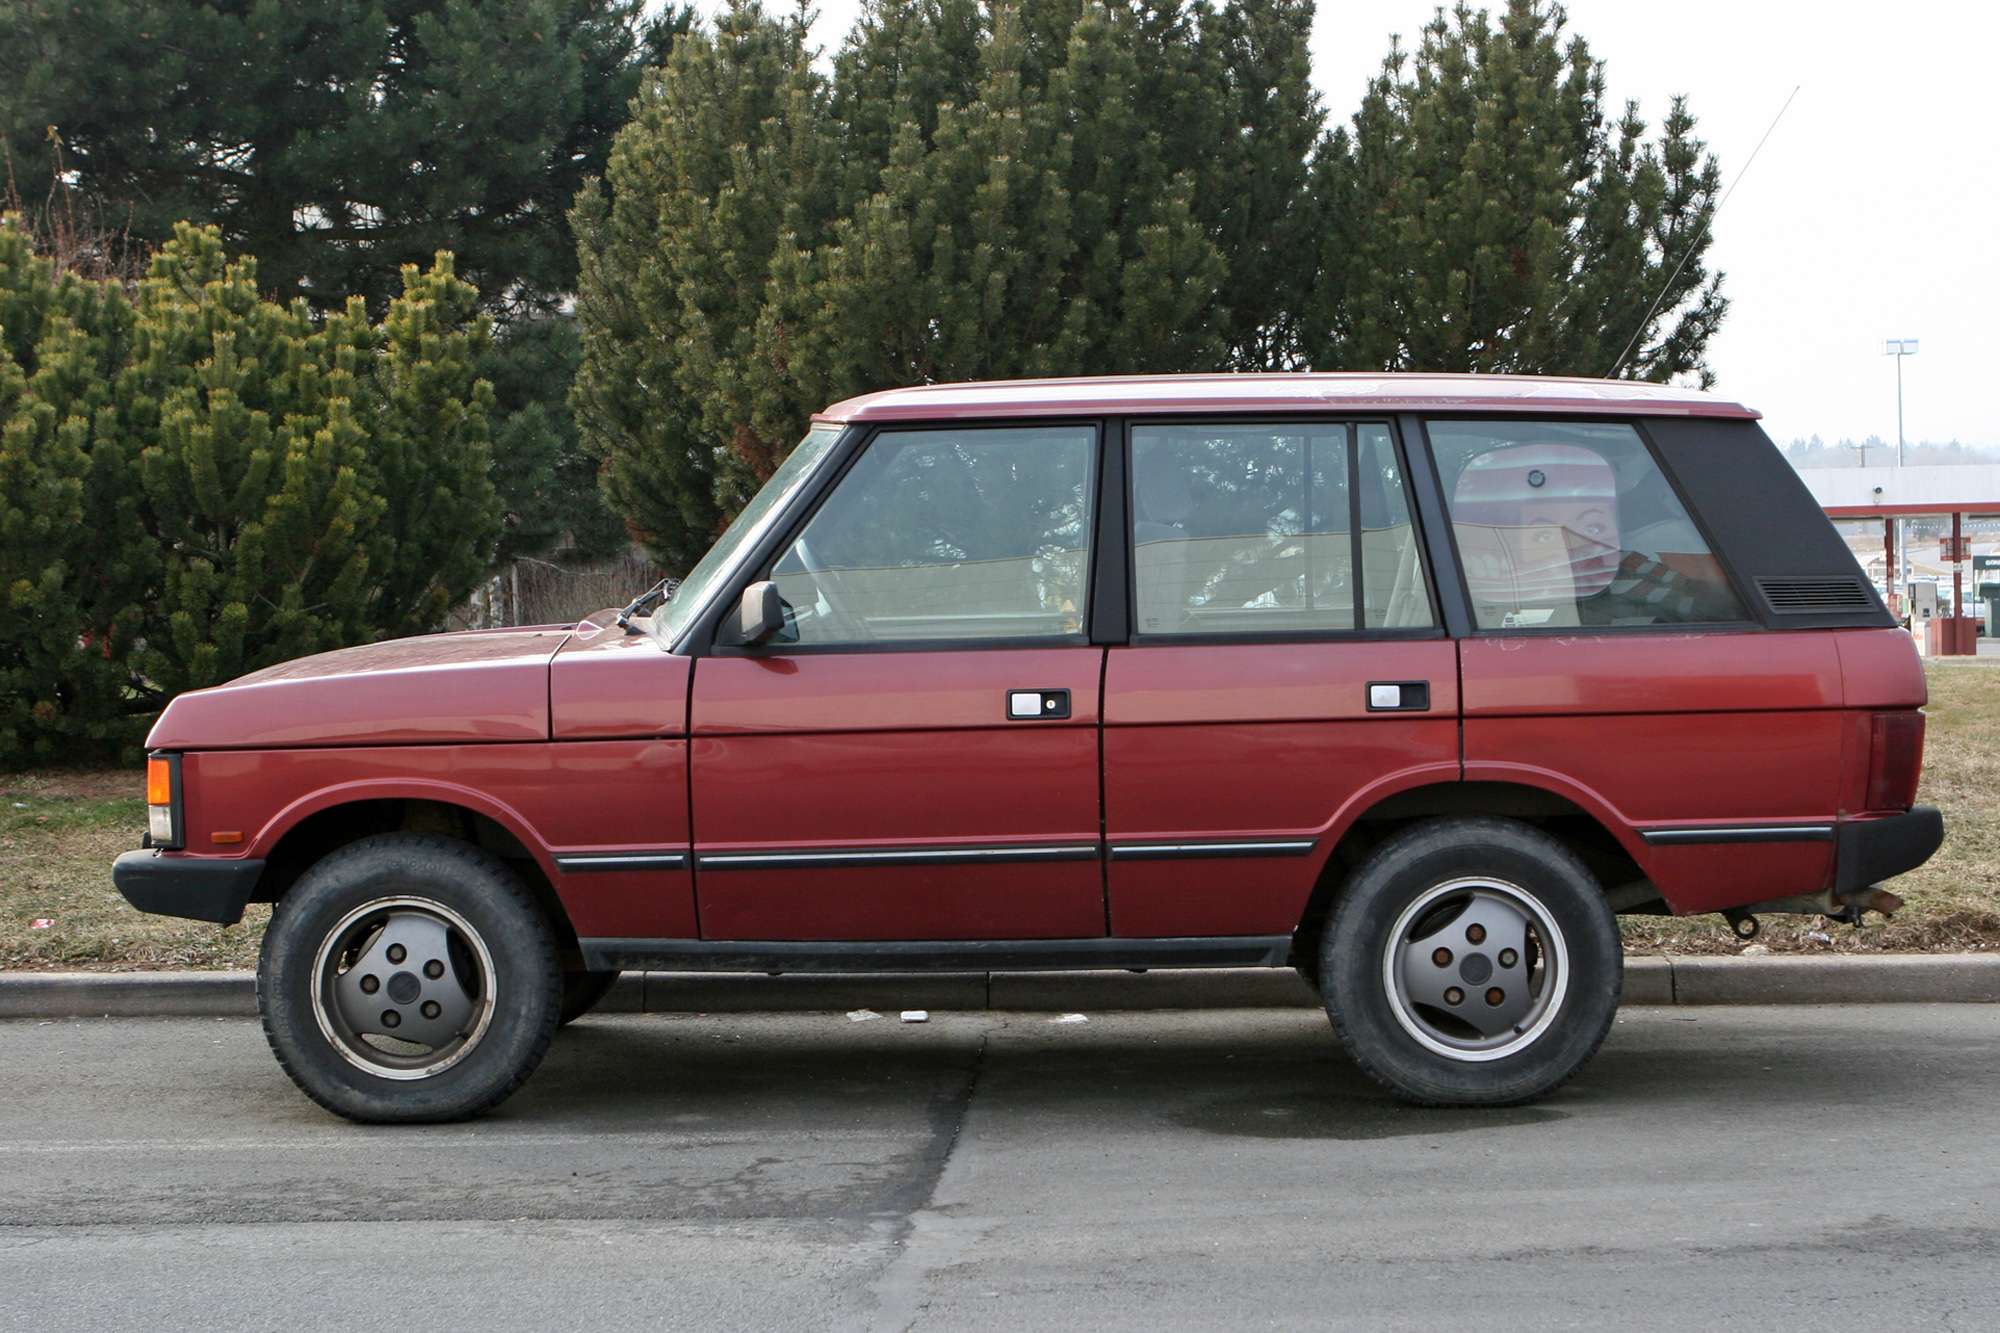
{"x": 1972, "y": 489}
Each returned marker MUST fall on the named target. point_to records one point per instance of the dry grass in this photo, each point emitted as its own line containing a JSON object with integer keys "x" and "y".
{"x": 58, "y": 835}
{"x": 59, "y": 832}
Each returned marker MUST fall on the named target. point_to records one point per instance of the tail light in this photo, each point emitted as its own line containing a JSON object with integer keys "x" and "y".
{"x": 163, "y": 801}
{"x": 1895, "y": 756}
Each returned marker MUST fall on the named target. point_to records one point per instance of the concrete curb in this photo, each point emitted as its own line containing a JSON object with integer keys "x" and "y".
{"x": 1839, "y": 979}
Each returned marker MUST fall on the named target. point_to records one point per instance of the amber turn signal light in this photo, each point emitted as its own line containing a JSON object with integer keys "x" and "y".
{"x": 159, "y": 783}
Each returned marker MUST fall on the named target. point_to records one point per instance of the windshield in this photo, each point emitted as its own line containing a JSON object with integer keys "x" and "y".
{"x": 668, "y": 622}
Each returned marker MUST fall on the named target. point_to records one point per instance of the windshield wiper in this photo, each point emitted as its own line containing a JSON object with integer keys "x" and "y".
{"x": 663, "y": 591}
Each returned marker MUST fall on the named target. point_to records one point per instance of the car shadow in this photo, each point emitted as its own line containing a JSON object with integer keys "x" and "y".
{"x": 1253, "y": 1081}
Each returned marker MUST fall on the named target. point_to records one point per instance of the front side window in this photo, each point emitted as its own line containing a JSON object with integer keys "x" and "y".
{"x": 1261, "y": 528}
{"x": 948, "y": 535}
{"x": 1570, "y": 524}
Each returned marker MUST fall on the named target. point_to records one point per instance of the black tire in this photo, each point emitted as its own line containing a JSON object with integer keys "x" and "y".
{"x": 483, "y": 981}
{"x": 582, "y": 992}
{"x": 1435, "y": 1032}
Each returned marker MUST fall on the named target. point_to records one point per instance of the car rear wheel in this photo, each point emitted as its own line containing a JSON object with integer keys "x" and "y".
{"x": 1472, "y": 962}
{"x": 409, "y": 977}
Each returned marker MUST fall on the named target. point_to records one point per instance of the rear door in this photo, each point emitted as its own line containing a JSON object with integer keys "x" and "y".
{"x": 918, "y": 759}
{"x": 1285, "y": 667}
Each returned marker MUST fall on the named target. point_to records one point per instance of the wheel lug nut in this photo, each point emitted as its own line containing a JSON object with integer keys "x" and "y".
{"x": 433, "y": 969}
{"x": 397, "y": 953}
{"x": 431, "y": 1009}
{"x": 370, "y": 984}
{"x": 1495, "y": 996}
{"x": 1475, "y": 932}
{"x": 1442, "y": 957}
{"x": 1454, "y": 996}
{"x": 1508, "y": 958}
{"x": 391, "y": 1019}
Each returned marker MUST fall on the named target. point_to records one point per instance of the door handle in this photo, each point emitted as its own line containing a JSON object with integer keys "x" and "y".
{"x": 1024, "y": 705}
{"x": 1399, "y": 696}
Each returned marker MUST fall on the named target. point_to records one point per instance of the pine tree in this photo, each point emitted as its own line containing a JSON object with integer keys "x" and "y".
{"x": 1483, "y": 213}
{"x": 432, "y": 455}
{"x": 337, "y": 141}
{"x": 1063, "y": 188}
{"x": 196, "y": 482}
{"x": 541, "y": 469}
{"x": 725, "y": 154}
{"x": 70, "y": 567}
{"x": 1039, "y": 232}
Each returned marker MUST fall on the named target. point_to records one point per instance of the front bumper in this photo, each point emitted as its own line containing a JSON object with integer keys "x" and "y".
{"x": 197, "y": 887}
{"x": 1869, "y": 851}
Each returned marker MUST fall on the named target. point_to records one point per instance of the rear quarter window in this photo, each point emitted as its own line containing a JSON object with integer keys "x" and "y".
{"x": 1572, "y": 524}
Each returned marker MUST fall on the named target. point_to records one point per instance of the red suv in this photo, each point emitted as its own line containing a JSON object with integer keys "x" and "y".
{"x": 1412, "y": 683}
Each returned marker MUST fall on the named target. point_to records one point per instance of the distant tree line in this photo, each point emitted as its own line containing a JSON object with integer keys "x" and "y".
{"x": 1874, "y": 451}
{"x": 315, "y": 312}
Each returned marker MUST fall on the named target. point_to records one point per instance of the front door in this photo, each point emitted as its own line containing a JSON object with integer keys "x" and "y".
{"x": 1285, "y": 668}
{"x": 917, "y": 759}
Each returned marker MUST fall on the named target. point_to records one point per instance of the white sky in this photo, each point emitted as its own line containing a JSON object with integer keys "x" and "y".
{"x": 1869, "y": 215}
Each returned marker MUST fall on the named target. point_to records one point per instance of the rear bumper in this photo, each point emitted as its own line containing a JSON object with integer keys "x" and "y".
{"x": 196, "y": 887}
{"x": 1868, "y": 851}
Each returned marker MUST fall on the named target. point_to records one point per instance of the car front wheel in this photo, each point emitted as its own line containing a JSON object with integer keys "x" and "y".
{"x": 409, "y": 977}
{"x": 1472, "y": 962}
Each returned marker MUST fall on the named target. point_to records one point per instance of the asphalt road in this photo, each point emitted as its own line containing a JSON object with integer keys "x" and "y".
{"x": 1786, "y": 1168}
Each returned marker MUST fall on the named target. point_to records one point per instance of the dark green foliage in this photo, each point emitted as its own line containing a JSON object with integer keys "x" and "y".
{"x": 547, "y": 483}
{"x": 195, "y": 483}
{"x": 1485, "y": 213}
{"x": 723, "y": 152}
{"x": 976, "y": 193}
{"x": 337, "y": 141}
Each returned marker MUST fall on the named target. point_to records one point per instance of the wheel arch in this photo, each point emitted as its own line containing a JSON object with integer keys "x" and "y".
{"x": 317, "y": 825}
{"x": 1598, "y": 837}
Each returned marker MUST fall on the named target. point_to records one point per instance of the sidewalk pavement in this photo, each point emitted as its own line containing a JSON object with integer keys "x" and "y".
{"x": 1817, "y": 979}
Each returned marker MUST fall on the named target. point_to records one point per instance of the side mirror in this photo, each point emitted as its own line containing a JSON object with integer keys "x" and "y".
{"x": 757, "y": 617}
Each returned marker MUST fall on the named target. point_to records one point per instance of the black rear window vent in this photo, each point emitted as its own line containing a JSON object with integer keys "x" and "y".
{"x": 1816, "y": 594}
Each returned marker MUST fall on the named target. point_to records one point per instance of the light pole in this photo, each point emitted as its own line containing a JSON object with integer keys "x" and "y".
{"x": 1900, "y": 348}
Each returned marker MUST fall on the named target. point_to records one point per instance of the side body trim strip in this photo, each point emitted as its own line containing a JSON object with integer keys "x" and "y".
{"x": 1063, "y": 955}
{"x": 1671, "y": 837}
{"x": 897, "y": 856}
{"x": 580, "y": 862}
{"x": 1211, "y": 848}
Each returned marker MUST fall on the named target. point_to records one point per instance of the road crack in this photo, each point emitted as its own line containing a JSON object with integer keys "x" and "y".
{"x": 921, "y": 1239}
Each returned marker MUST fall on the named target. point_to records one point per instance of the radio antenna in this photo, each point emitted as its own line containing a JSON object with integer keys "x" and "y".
{"x": 1696, "y": 239}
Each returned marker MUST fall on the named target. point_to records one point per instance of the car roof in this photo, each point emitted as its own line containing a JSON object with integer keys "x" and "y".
{"x": 1339, "y": 393}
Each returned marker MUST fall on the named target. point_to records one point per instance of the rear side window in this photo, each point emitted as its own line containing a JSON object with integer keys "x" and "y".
{"x": 1572, "y": 524}
{"x": 1261, "y": 528}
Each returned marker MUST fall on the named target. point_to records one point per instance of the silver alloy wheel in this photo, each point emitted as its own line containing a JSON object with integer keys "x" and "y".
{"x": 403, "y": 988}
{"x": 1475, "y": 969}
